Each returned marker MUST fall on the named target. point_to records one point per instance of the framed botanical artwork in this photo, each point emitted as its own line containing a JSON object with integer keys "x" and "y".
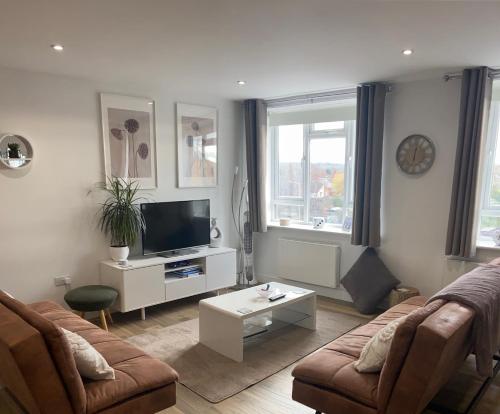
{"x": 128, "y": 130}
{"x": 196, "y": 145}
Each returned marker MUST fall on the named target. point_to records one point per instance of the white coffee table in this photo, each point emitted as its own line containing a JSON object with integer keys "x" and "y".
{"x": 223, "y": 326}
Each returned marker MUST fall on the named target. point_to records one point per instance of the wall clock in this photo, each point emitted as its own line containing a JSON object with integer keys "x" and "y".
{"x": 415, "y": 155}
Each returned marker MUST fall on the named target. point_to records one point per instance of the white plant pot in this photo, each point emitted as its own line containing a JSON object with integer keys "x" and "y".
{"x": 119, "y": 254}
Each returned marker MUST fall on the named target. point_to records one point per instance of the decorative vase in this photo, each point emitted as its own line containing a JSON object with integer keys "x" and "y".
{"x": 119, "y": 253}
{"x": 215, "y": 234}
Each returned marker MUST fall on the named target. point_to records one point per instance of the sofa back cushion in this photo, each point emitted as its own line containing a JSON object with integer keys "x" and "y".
{"x": 440, "y": 345}
{"x": 58, "y": 348}
{"x": 27, "y": 369}
{"x": 399, "y": 349}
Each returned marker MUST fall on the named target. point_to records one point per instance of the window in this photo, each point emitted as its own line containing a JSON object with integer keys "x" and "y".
{"x": 312, "y": 164}
{"x": 489, "y": 220}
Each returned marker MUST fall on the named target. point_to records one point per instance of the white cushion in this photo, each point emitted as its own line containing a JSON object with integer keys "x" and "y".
{"x": 375, "y": 351}
{"x": 90, "y": 363}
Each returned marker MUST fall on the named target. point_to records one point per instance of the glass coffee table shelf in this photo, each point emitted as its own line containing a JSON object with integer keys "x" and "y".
{"x": 256, "y": 327}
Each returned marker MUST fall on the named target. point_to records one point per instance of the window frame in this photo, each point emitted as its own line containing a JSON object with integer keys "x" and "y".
{"x": 309, "y": 134}
{"x": 491, "y": 147}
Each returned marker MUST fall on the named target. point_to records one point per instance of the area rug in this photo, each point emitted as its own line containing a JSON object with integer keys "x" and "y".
{"x": 215, "y": 377}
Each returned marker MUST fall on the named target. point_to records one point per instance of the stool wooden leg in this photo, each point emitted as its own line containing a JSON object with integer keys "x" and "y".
{"x": 102, "y": 316}
{"x": 108, "y": 314}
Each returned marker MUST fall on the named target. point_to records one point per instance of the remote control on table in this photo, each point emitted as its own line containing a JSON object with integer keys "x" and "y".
{"x": 276, "y": 296}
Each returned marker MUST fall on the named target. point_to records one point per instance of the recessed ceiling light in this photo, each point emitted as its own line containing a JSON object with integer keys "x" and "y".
{"x": 150, "y": 103}
{"x": 241, "y": 82}
{"x": 407, "y": 52}
{"x": 57, "y": 47}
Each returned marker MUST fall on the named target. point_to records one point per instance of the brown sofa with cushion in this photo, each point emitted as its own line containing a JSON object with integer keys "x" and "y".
{"x": 38, "y": 368}
{"x": 427, "y": 348}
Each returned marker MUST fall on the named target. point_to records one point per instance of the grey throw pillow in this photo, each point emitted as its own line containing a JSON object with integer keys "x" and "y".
{"x": 369, "y": 281}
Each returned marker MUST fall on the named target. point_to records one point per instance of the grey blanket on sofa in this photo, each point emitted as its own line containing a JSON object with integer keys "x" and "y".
{"x": 479, "y": 290}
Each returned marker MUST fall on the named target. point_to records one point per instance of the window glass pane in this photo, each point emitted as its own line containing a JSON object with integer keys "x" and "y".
{"x": 290, "y": 154}
{"x": 292, "y": 211}
{"x": 310, "y": 176}
{"x": 350, "y": 184}
{"x": 328, "y": 126}
{"x": 326, "y": 181}
{"x": 494, "y": 195}
{"x": 489, "y": 223}
{"x": 488, "y": 226}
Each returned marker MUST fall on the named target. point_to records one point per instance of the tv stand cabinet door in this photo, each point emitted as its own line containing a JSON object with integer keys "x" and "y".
{"x": 143, "y": 287}
{"x": 221, "y": 271}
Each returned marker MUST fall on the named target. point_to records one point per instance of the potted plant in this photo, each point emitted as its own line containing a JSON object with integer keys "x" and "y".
{"x": 120, "y": 217}
{"x": 14, "y": 150}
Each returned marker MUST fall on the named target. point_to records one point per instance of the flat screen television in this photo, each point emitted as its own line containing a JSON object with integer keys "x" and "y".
{"x": 175, "y": 225}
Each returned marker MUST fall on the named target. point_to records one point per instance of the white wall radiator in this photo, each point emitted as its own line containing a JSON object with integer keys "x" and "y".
{"x": 309, "y": 262}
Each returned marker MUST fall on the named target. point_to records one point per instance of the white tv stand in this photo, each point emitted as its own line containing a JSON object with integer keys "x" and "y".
{"x": 145, "y": 281}
{"x": 177, "y": 253}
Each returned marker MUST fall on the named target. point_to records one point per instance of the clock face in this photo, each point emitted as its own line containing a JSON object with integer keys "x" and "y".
{"x": 415, "y": 154}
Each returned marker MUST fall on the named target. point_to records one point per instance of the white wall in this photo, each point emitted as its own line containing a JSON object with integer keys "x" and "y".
{"x": 414, "y": 210}
{"x": 47, "y": 221}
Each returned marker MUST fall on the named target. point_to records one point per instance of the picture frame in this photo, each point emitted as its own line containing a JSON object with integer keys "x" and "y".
{"x": 197, "y": 145}
{"x": 129, "y": 138}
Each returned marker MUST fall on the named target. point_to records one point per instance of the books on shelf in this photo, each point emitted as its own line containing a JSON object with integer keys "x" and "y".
{"x": 191, "y": 271}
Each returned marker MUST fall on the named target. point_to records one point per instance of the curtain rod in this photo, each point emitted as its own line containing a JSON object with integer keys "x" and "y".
{"x": 494, "y": 73}
{"x": 315, "y": 97}
{"x": 312, "y": 97}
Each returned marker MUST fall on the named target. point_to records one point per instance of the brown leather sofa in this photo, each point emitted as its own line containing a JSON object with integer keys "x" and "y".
{"x": 426, "y": 350}
{"x": 37, "y": 366}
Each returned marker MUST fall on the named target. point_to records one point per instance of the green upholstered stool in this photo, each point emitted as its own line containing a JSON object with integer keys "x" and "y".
{"x": 92, "y": 298}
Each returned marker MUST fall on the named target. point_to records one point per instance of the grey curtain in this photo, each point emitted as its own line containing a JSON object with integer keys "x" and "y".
{"x": 368, "y": 164}
{"x": 256, "y": 149}
{"x": 474, "y": 109}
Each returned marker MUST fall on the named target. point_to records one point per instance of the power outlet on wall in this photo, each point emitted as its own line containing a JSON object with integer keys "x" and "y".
{"x": 62, "y": 281}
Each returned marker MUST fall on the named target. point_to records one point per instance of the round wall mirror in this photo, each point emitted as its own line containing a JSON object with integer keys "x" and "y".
{"x": 15, "y": 151}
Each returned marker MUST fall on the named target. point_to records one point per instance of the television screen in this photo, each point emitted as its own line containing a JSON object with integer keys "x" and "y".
{"x": 175, "y": 225}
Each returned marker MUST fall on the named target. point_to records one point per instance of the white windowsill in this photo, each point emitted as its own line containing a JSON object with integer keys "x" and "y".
{"x": 487, "y": 245}
{"x": 304, "y": 227}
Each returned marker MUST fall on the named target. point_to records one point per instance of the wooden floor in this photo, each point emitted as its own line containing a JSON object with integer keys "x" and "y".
{"x": 273, "y": 395}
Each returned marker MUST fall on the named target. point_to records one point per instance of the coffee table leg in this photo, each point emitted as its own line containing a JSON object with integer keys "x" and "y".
{"x": 221, "y": 332}
{"x": 309, "y": 308}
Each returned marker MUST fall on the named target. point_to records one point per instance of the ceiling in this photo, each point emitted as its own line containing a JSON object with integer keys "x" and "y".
{"x": 279, "y": 47}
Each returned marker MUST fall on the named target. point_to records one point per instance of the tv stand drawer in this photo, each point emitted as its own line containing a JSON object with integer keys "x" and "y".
{"x": 184, "y": 287}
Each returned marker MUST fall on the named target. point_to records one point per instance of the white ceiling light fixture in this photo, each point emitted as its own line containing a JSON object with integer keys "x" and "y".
{"x": 241, "y": 82}
{"x": 150, "y": 103}
{"x": 407, "y": 52}
{"x": 57, "y": 47}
